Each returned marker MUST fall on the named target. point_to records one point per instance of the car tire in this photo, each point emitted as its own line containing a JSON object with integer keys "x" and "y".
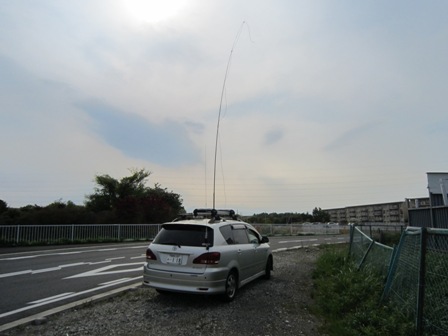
{"x": 268, "y": 269}
{"x": 231, "y": 286}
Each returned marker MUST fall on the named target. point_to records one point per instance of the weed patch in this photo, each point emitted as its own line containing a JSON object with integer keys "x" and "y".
{"x": 350, "y": 300}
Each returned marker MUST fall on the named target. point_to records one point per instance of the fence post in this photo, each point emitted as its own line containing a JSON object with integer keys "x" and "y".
{"x": 366, "y": 254}
{"x": 393, "y": 265}
{"x": 352, "y": 228}
{"x": 18, "y": 234}
{"x": 421, "y": 282}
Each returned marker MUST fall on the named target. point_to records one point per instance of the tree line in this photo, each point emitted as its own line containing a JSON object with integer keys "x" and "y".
{"x": 127, "y": 201}
{"x": 318, "y": 215}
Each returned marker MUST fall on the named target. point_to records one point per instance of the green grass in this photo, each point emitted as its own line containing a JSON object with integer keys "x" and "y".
{"x": 350, "y": 300}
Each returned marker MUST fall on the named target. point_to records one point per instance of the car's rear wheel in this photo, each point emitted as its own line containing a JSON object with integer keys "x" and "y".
{"x": 231, "y": 286}
{"x": 267, "y": 272}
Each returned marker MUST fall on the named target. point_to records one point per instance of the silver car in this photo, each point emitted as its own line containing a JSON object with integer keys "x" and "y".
{"x": 208, "y": 252}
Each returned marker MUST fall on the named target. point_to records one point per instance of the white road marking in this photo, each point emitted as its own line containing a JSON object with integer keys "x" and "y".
{"x": 280, "y": 249}
{"x": 99, "y": 262}
{"x": 58, "y": 268}
{"x": 296, "y": 241}
{"x": 72, "y": 265}
{"x": 114, "y": 282}
{"x": 5, "y": 275}
{"x": 52, "y": 253}
{"x": 102, "y": 270}
{"x": 43, "y": 270}
{"x": 51, "y": 298}
{"x": 74, "y": 252}
{"x": 19, "y": 258}
{"x": 55, "y": 299}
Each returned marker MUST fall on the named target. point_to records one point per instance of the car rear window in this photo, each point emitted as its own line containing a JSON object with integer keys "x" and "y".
{"x": 184, "y": 235}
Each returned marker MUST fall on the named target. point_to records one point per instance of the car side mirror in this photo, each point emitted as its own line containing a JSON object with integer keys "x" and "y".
{"x": 264, "y": 239}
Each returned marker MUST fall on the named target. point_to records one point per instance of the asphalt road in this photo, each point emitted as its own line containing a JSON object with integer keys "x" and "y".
{"x": 34, "y": 280}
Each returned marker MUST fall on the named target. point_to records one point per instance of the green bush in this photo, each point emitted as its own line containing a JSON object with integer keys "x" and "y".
{"x": 350, "y": 300}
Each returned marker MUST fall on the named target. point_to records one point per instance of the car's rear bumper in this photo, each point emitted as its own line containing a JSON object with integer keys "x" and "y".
{"x": 212, "y": 281}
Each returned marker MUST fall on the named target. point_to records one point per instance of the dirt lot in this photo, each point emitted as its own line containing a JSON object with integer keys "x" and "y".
{"x": 279, "y": 306}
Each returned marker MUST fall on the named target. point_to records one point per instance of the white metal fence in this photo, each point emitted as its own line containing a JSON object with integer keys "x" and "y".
{"x": 296, "y": 229}
{"x": 82, "y": 233}
{"x": 50, "y": 234}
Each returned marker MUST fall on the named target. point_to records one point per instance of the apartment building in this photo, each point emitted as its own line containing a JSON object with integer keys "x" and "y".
{"x": 392, "y": 212}
{"x": 396, "y": 212}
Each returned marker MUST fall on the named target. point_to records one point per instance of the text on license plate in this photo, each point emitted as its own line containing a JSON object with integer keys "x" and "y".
{"x": 174, "y": 260}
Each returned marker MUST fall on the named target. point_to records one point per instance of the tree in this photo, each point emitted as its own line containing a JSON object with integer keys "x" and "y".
{"x": 110, "y": 191}
{"x": 129, "y": 200}
{"x": 3, "y": 206}
{"x": 320, "y": 215}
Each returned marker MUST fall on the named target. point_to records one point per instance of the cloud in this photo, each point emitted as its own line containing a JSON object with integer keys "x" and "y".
{"x": 353, "y": 136}
{"x": 273, "y": 137}
{"x": 166, "y": 143}
{"x": 321, "y": 97}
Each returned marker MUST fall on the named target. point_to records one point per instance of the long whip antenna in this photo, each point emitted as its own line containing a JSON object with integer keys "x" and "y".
{"x": 220, "y": 107}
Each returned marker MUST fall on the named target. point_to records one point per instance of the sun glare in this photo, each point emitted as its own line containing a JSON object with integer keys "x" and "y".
{"x": 153, "y": 11}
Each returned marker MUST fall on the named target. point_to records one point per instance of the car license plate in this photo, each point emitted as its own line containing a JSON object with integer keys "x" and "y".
{"x": 174, "y": 260}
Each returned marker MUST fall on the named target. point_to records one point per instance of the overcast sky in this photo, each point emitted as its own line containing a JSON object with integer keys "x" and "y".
{"x": 326, "y": 103}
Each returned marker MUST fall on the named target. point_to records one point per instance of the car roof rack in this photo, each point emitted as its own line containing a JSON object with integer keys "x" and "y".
{"x": 213, "y": 214}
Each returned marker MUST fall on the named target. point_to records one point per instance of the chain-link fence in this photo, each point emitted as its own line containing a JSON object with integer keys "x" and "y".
{"x": 366, "y": 252}
{"x": 418, "y": 279}
{"x": 417, "y": 274}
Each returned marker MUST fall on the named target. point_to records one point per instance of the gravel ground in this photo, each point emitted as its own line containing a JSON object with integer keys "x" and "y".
{"x": 279, "y": 306}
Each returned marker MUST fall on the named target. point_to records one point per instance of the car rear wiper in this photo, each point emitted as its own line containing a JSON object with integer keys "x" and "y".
{"x": 171, "y": 243}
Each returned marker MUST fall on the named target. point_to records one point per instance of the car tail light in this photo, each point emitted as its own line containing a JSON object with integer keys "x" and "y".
{"x": 150, "y": 255}
{"x": 209, "y": 258}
